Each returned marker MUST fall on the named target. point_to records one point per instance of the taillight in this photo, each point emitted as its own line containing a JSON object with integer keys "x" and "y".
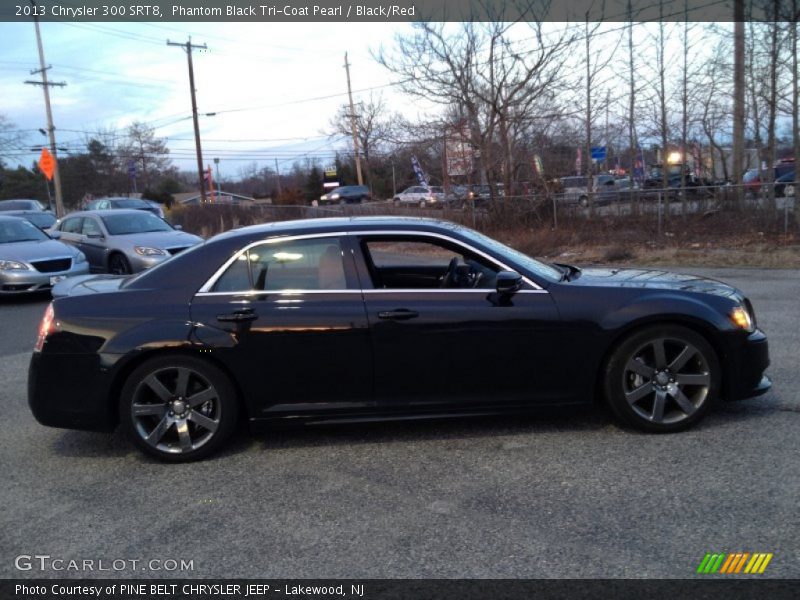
{"x": 46, "y": 327}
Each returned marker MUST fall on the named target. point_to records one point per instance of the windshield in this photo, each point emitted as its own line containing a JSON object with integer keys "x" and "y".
{"x": 131, "y": 203}
{"x": 134, "y": 223}
{"x": 523, "y": 260}
{"x": 750, "y": 175}
{"x": 20, "y": 231}
{"x": 21, "y": 205}
{"x": 42, "y": 220}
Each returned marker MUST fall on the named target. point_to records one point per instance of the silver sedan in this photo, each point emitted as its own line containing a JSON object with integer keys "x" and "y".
{"x": 123, "y": 241}
{"x": 31, "y": 261}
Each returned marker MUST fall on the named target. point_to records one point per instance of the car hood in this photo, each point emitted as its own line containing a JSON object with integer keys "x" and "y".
{"x": 654, "y": 279}
{"x": 38, "y": 250}
{"x": 87, "y": 284}
{"x": 159, "y": 239}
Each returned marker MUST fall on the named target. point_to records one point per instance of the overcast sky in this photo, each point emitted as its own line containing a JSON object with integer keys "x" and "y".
{"x": 273, "y": 86}
{"x": 270, "y": 76}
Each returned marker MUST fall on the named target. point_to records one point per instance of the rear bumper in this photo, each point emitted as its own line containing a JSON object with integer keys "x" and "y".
{"x": 70, "y": 391}
{"x": 747, "y": 363}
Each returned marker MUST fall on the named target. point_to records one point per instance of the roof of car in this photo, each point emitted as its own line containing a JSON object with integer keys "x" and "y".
{"x": 7, "y": 217}
{"x": 341, "y": 224}
{"x": 105, "y": 211}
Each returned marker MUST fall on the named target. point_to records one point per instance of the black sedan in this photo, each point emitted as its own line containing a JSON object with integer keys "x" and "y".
{"x": 381, "y": 318}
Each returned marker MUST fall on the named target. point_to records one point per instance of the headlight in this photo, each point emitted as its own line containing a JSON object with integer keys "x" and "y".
{"x": 335, "y": 196}
{"x": 80, "y": 257}
{"x": 742, "y": 319}
{"x": 145, "y": 251}
{"x": 12, "y": 265}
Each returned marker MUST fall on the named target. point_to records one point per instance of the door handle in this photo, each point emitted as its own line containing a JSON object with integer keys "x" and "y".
{"x": 238, "y": 316}
{"x": 401, "y": 314}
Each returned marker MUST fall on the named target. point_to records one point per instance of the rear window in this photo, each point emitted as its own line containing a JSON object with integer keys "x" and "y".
{"x": 574, "y": 182}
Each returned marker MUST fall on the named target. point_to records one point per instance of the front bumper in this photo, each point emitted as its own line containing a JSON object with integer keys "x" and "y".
{"x": 28, "y": 282}
{"x": 747, "y": 361}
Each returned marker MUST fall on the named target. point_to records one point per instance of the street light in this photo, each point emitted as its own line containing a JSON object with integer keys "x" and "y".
{"x": 219, "y": 183}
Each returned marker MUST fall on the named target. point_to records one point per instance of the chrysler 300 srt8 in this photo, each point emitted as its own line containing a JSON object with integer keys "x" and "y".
{"x": 381, "y": 318}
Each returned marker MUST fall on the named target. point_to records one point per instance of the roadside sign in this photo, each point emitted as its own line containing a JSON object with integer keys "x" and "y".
{"x": 47, "y": 164}
{"x": 598, "y": 153}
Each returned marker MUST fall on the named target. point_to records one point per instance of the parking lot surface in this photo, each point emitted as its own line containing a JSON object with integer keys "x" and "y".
{"x": 550, "y": 495}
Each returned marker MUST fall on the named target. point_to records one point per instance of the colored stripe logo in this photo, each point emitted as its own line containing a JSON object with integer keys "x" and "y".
{"x": 734, "y": 563}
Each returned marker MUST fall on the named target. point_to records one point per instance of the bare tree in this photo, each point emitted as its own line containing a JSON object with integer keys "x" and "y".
{"x": 484, "y": 70}
{"x": 149, "y": 153}
{"x": 10, "y": 138}
{"x": 373, "y": 126}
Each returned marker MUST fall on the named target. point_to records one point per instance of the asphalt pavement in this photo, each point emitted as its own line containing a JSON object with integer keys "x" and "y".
{"x": 552, "y": 495}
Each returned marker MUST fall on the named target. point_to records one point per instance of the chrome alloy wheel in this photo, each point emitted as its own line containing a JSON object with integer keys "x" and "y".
{"x": 666, "y": 380}
{"x": 176, "y": 410}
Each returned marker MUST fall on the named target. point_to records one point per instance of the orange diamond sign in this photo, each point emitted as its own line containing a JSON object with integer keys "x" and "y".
{"x": 47, "y": 164}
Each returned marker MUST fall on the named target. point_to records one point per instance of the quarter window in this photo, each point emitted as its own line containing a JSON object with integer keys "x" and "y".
{"x": 312, "y": 264}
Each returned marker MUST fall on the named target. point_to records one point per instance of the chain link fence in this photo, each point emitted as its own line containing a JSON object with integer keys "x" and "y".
{"x": 658, "y": 211}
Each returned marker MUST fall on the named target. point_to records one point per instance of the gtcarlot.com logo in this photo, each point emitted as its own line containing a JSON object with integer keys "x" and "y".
{"x": 45, "y": 562}
{"x": 736, "y": 563}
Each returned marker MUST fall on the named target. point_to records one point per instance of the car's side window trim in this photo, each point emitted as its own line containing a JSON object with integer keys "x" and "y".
{"x": 463, "y": 245}
{"x": 208, "y": 286}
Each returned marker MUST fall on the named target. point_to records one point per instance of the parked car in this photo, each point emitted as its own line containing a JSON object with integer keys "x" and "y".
{"x": 381, "y": 318}
{"x": 752, "y": 177}
{"x": 123, "y": 241}
{"x": 421, "y": 196}
{"x": 131, "y": 203}
{"x": 22, "y": 204}
{"x": 347, "y": 194}
{"x": 31, "y": 261}
{"x": 43, "y": 219}
{"x": 220, "y": 198}
{"x": 576, "y": 189}
{"x": 785, "y": 185}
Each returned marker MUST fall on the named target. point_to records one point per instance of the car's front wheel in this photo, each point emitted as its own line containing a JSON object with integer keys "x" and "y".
{"x": 178, "y": 408}
{"x": 662, "y": 379}
{"x": 118, "y": 264}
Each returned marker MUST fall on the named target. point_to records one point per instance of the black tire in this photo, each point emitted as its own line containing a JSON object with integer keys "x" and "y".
{"x": 583, "y": 201}
{"x": 158, "y": 429}
{"x": 119, "y": 265}
{"x": 662, "y": 379}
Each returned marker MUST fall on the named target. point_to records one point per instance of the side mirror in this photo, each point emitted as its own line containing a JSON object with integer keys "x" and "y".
{"x": 508, "y": 282}
{"x": 55, "y": 234}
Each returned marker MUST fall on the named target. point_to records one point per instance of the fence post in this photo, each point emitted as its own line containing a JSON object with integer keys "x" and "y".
{"x": 659, "y": 214}
{"x": 555, "y": 215}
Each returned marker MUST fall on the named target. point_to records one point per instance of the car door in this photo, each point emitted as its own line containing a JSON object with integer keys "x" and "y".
{"x": 70, "y": 231}
{"x": 93, "y": 242}
{"x": 461, "y": 344}
{"x": 287, "y": 318}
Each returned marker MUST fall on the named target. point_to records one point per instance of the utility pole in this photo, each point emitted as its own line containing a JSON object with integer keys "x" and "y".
{"x": 353, "y": 122}
{"x": 278, "y": 177}
{"x": 738, "y": 98}
{"x": 188, "y": 47}
{"x": 51, "y": 130}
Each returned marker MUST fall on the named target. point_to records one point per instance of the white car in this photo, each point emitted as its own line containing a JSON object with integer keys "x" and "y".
{"x": 421, "y": 196}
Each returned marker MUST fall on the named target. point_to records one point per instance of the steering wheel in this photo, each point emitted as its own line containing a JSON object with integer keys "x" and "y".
{"x": 449, "y": 277}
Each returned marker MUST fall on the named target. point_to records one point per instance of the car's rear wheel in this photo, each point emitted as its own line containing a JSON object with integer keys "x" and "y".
{"x": 178, "y": 408}
{"x": 118, "y": 264}
{"x": 662, "y": 379}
